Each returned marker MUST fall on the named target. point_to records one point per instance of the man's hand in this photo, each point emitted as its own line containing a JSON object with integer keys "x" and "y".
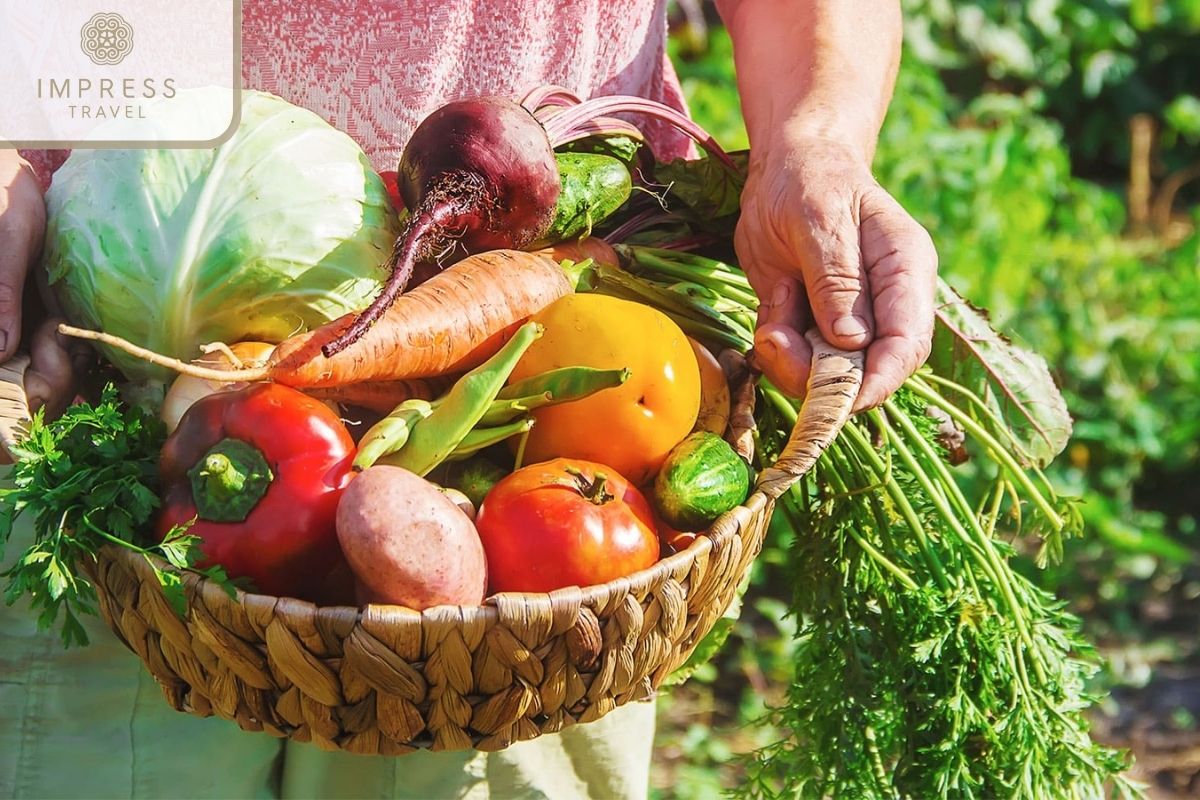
{"x": 824, "y": 244}
{"x": 22, "y": 227}
{"x": 50, "y": 378}
{"x": 821, "y": 241}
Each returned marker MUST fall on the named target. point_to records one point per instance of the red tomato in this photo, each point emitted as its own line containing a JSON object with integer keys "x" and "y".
{"x": 393, "y": 189}
{"x": 564, "y": 522}
{"x": 675, "y": 541}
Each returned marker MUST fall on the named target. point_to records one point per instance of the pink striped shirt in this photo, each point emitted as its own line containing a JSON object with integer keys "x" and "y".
{"x": 376, "y": 69}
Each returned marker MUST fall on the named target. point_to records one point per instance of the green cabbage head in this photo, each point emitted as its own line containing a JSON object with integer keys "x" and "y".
{"x": 281, "y": 229}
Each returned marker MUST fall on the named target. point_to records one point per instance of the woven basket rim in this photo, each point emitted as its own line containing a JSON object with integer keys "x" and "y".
{"x": 717, "y": 535}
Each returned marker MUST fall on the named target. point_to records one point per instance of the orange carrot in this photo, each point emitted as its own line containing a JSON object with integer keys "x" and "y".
{"x": 591, "y": 247}
{"x": 451, "y": 323}
{"x": 382, "y": 396}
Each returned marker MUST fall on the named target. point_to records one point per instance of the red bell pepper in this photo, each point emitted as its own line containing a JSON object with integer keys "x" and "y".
{"x": 261, "y": 470}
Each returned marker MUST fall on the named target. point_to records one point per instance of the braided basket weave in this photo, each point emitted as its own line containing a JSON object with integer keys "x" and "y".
{"x": 387, "y": 680}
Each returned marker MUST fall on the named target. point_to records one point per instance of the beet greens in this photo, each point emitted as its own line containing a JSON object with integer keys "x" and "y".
{"x": 480, "y": 174}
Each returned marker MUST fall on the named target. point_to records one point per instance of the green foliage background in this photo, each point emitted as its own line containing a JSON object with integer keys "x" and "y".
{"x": 1009, "y": 139}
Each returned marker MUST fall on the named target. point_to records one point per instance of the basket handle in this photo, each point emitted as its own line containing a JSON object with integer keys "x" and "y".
{"x": 833, "y": 387}
{"x": 14, "y": 404}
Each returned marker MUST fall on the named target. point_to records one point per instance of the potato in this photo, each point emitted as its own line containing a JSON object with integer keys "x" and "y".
{"x": 460, "y": 500}
{"x": 407, "y": 543}
{"x": 714, "y": 392}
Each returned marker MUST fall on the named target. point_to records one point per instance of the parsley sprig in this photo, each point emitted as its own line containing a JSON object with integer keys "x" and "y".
{"x": 89, "y": 479}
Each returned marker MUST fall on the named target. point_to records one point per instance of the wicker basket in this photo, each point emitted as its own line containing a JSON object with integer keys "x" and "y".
{"x": 387, "y": 680}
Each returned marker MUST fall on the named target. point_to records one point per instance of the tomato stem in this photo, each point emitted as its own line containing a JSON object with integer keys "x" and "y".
{"x": 593, "y": 489}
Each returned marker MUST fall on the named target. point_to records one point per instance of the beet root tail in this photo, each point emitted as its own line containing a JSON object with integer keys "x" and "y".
{"x": 428, "y": 231}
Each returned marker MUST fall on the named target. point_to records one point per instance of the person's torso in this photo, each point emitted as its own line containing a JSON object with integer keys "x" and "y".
{"x": 376, "y": 69}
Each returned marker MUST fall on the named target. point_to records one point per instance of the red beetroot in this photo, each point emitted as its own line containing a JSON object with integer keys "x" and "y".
{"x": 479, "y": 173}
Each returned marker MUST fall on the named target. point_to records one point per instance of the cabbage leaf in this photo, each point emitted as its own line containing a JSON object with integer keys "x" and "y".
{"x": 280, "y": 229}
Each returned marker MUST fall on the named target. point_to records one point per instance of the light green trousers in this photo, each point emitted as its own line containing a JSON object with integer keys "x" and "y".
{"x": 91, "y": 723}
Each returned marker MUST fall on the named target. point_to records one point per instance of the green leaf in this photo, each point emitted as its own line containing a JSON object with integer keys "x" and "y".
{"x": 179, "y": 548}
{"x": 702, "y": 189}
{"x": 622, "y": 148}
{"x": 32, "y": 557}
{"x": 928, "y": 649}
{"x": 217, "y": 574}
{"x": 56, "y": 580}
{"x": 172, "y": 588}
{"x": 72, "y": 630}
{"x": 1012, "y": 382}
{"x": 1183, "y": 114}
{"x": 87, "y": 479}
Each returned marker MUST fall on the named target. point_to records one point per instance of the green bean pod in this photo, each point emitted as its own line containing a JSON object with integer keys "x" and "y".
{"x": 552, "y": 387}
{"x": 390, "y": 433}
{"x": 480, "y": 438}
{"x": 505, "y": 411}
{"x": 435, "y": 437}
{"x": 566, "y": 383}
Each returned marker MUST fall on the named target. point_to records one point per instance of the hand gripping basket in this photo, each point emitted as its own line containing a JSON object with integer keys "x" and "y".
{"x": 387, "y": 680}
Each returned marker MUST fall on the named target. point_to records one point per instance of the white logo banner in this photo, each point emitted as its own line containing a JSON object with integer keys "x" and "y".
{"x": 117, "y": 73}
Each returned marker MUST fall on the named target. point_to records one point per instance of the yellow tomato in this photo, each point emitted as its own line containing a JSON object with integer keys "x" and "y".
{"x": 632, "y": 427}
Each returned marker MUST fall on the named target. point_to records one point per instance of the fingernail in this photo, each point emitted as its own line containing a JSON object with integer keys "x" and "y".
{"x": 780, "y": 294}
{"x": 850, "y": 327}
{"x": 766, "y": 350}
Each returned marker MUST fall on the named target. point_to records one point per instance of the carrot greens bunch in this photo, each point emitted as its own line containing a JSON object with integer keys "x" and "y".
{"x": 926, "y": 664}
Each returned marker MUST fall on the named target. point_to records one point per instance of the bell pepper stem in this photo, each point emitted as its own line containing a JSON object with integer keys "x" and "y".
{"x": 221, "y": 476}
{"x": 229, "y": 480}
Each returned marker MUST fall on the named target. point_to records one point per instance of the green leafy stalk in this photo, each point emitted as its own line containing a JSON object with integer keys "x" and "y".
{"x": 88, "y": 479}
{"x": 705, "y": 319}
{"x": 960, "y": 679}
{"x": 666, "y": 264}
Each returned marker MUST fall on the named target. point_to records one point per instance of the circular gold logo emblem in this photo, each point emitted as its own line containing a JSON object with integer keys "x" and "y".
{"x": 107, "y": 39}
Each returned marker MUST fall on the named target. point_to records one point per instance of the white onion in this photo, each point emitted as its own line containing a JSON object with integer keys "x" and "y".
{"x": 187, "y": 389}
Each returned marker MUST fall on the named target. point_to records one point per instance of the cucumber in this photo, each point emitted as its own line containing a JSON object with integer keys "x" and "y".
{"x": 701, "y": 479}
{"x": 474, "y": 477}
{"x": 593, "y": 187}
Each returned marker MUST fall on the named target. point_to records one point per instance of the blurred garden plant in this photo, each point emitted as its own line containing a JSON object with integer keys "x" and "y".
{"x": 1008, "y": 138}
